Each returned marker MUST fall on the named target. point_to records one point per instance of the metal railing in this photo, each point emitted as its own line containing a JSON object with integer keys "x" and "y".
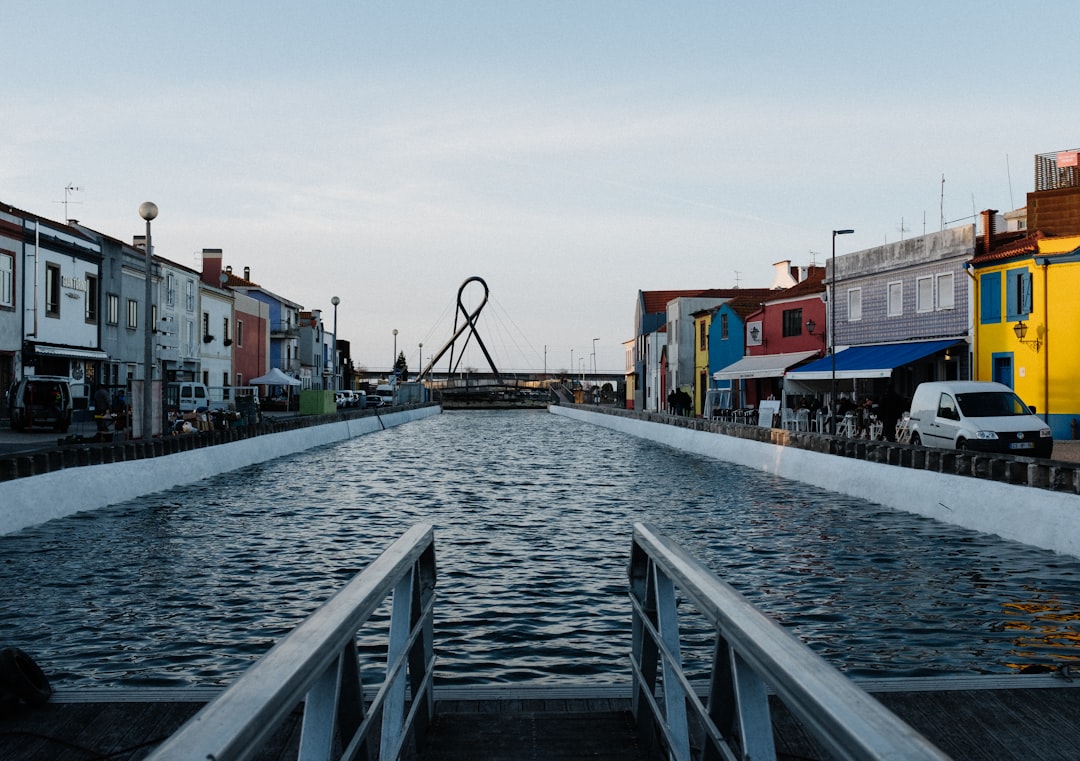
{"x": 317, "y": 662}
{"x": 752, "y": 654}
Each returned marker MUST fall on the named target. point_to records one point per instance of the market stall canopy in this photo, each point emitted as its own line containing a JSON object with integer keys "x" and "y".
{"x": 874, "y": 361}
{"x": 762, "y": 366}
{"x": 274, "y": 378}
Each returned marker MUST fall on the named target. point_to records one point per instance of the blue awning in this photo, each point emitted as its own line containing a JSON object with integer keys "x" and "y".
{"x": 875, "y": 361}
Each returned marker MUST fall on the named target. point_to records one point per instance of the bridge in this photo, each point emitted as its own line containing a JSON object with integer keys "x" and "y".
{"x": 469, "y": 385}
{"x": 769, "y": 695}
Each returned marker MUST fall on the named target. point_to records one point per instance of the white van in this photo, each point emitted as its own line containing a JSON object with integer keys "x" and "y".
{"x": 977, "y": 415}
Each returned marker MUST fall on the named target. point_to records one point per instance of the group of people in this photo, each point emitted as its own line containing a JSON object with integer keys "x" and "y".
{"x": 680, "y": 403}
{"x": 109, "y": 411}
{"x": 885, "y": 410}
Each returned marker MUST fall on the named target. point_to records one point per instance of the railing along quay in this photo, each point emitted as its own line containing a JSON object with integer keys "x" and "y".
{"x": 1053, "y": 475}
{"x": 753, "y": 655}
{"x": 317, "y": 663}
{"x": 85, "y": 453}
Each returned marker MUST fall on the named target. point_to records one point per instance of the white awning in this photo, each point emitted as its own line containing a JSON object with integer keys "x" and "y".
{"x": 763, "y": 365}
{"x": 69, "y": 351}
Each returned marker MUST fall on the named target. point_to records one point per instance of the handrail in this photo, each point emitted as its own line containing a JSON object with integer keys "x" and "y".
{"x": 318, "y": 659}
{"x": 752, "y": 653}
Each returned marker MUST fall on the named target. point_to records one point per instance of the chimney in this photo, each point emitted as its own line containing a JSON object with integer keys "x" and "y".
{"x": 211, "y": 266}
{"x": 782, "y": 275}
{"x": 988, "y": 218}
{"x": 247, "y": 273}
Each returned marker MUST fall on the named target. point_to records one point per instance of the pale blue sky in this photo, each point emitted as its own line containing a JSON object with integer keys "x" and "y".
{"x": 570, "y": 153}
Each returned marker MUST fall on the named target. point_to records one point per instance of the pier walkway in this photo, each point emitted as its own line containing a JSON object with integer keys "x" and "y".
{"x": 769, "y": 696}
{"x": 1021, "y": 718}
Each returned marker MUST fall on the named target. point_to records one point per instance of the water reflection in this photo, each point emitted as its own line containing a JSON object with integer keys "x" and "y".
{"x": 533, "y": 514}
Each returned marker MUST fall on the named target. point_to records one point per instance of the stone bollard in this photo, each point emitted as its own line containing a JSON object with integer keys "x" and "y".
{"x": 980, "y": 466}
{"x": 1062, "y": 477}
{"x": 71, "y": 457}
{"x": 108, "y": 454}
{"x": 94, "y": 453}
{"x": 947, "y": 462}
{"x": 1038, "y": 475}
{"x": 962, "y": 464}
{"x": 1015, "y": 472}
{"x": 8, "y": 469}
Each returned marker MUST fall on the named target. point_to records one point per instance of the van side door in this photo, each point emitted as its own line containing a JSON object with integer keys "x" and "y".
{"x": 942, "y": 429}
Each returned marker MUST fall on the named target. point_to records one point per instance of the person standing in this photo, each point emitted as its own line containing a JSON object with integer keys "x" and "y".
{"x": 101, "y": 409}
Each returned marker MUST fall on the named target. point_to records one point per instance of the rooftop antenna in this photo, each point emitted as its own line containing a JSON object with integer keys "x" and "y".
{"x": 737, "y": 273}
{"x": 813, "y": 258}
{"x": 942, "y": 207}
{"x": 68, "y": 190}
{"x": 903, "y": 229}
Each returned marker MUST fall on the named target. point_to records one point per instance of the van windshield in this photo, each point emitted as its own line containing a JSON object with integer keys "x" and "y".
{"x": 991, "y": 404}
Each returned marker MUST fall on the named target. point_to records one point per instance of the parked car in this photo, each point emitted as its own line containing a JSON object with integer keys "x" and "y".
{"x": 39, "y": 401}
{"x": 977, "y": 415}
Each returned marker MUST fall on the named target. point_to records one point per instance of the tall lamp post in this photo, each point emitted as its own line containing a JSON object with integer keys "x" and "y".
{"x": 594, "y": 359}
{"x": 148, "y": 211}
{"x": 832, "y": 331}
{"x": 335, "y": 301}
{"x": 394, "y": 363}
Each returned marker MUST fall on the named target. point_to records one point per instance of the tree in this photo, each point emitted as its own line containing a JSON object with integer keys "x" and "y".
{"x": 401, "y": 367}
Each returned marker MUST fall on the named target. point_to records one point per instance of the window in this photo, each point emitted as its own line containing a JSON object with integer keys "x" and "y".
{"x": 112, "y": 309}
{"x": 91, "y": 298}
{"x": 132, "y": 314}
{"x": 52, "y": 290}
{"x": 239, "y": 379}
{"x": 239, "y": 334}
{"x": 190, "y": 298}
{"x": 170, "y": 290}
{"x": 723, "y": 327}
{"x": 946, "y": 295}
{"x": 206, "y": 325}
{"x": 896, "y": 299}
{"x": 7, "y": 280}
{"x": 792, "y": 322}
{"x": 1017, "y": 294}
{"x": 924, "y": 294}
{"x": 990, "y": 298}
{"x": 854, "y": 304}
{"x": 702, "y": 335}
{"x": 225, "y": 332}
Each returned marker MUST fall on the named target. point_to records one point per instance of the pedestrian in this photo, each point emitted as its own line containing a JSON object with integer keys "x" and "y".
{"x": 101, "y": 409}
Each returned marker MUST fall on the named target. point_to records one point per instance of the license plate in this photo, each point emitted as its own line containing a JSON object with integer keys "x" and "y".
{"x": 1023, "y": 445}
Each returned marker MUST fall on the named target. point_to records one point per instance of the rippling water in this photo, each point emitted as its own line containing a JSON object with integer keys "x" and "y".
{"x": 533, "y": 516}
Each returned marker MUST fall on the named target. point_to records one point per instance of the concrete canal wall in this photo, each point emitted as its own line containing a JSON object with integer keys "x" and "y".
{"x": 1031, "y": 502}
{"x": 62, "y": 491}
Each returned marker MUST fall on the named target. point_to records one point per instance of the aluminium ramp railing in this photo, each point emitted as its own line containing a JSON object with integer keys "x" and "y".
{"x": 752, "y": 654}
{"x": 317, "y": 662}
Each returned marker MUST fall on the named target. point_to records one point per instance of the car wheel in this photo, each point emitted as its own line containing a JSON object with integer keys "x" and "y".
{"x": 916, "y": 440}
{"x": 962, "y": 445}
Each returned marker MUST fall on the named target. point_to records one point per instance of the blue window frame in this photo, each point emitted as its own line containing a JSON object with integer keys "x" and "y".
{"x": 990, "y": 298}
{"x": 1017, "y": 294}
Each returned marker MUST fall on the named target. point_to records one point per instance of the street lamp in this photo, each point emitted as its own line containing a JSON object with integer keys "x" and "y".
{"x": 832, "y": 331}
{"x": 394, "y": 363}
{"x": 148, "y": 211}
{"x": 335, "y": 301}
{"x": 594, "y": 358}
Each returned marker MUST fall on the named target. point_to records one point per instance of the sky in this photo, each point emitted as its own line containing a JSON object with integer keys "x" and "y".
{"x": 568, "y": 153}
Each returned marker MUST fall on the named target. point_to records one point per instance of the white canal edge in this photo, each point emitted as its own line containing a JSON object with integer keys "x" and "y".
{"x": 1041, "y": 518}
{"x": 31, "y": 501}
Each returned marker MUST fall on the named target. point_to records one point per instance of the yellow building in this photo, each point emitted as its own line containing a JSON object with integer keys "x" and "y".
{"x": 702, "y": 321}
{"x": 1027, "y": 324}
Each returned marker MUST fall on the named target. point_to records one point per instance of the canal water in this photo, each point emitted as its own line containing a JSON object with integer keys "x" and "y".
{"x": 533, "y": 515}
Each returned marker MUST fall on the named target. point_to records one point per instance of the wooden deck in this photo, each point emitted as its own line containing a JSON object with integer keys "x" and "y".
{"x": 976, "y": 718}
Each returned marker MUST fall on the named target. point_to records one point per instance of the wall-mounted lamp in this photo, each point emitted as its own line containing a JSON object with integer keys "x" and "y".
{"x": 755, "y": 334}
{"x": 1021, "y": 329}
{"x": 810, "y": 325}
